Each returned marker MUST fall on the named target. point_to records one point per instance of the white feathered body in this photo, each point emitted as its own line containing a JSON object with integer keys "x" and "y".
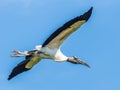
{"x": 53, "y": 54}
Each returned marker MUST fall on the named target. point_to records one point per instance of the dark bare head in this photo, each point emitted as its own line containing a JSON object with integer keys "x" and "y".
{"x": 75, "y": 60}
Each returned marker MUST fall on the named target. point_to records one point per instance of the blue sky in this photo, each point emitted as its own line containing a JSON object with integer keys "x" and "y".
{"x": 26, "y": 23}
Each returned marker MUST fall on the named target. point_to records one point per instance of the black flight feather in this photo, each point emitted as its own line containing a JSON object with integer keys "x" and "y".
{"x": 21, "y": 66}
{"x": 85, "y": 17}
{"x": 19, "y": 69}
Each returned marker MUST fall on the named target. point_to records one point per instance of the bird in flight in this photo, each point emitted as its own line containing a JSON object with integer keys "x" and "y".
{"x": 51, "y": 47}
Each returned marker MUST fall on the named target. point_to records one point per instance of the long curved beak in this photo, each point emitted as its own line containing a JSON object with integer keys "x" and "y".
{"x": 82, "y": 63}
{"x": 75, "y": 60}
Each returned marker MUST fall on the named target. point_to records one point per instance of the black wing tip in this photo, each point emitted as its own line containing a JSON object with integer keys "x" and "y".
{"x": 9, "y": 78}
{"x": 15, "y": 73}
{"x": 12, "y": 76}
{"x": 87, "y": 15}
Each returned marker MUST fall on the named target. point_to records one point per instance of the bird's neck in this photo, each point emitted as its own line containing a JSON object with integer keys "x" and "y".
{"x": 59, "y": 56}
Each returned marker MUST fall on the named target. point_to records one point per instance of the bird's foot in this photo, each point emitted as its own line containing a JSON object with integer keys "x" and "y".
{"x": 17, "y": 53}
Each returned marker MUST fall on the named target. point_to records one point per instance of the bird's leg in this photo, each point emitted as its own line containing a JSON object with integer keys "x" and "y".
{"x": 17, "y": 53}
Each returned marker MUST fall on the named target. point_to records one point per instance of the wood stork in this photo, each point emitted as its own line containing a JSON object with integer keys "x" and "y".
{"x": 51, "y": 47}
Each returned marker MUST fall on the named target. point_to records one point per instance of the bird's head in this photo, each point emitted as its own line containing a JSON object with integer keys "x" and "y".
{"x": 76, "y": 60}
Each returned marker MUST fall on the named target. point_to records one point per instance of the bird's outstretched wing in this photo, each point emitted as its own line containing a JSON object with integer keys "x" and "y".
{"x": 24, "y": 66}
{"x": 58, "y": 37}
